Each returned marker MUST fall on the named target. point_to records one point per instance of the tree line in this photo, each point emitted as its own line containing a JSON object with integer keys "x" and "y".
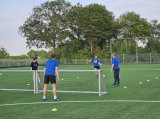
{"x": 78, "y": 32}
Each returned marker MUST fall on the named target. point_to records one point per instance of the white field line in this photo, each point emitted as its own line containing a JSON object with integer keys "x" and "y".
{"x": 133, "y": 69}
{"x": 94, "y": 101}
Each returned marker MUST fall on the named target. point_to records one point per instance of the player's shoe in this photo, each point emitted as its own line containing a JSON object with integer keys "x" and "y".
{"x": 113, "y": 86}
{"x": 40, "y": 82}
{"x": 118, "y": 85}
{"x": 97, "y": 76}
{"x": 44, "y": 99}
{"x": 57, "y": 99}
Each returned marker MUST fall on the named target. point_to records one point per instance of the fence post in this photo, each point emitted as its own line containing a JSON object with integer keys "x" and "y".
{"x": 150, "y": 58}
{"x": 123, "y": 58}
{"x": 137, "y": 57}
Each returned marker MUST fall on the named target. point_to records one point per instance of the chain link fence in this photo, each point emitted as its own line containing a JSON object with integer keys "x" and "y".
{"x": 123, "y": 58}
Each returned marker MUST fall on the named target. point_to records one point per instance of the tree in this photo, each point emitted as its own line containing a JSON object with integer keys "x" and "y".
{"x": 75, "y": 24}
{"x": 46, "y": 25}
{"x": 3, "y": 52}
{"x": 32, "y": 54}
{"x": 97, "y": 23}
{"x": 155, "y": 29}
{"x": 132, "y": 25}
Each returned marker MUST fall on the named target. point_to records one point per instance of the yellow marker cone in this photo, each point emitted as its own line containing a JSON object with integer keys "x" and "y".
{"x": 104, "y": 76}
{"x": 156, "y": 77}
{"x": 140, "y": 82}
{"x": 28, "y": 84}
{"x": 54, "y": 109}
{"x": 148, "y": 80}
{"x": 0, "y": 74}
{"x": 62, "y": 79}
{"x": 77, "y": 77}
{"x": 125, "y": 86}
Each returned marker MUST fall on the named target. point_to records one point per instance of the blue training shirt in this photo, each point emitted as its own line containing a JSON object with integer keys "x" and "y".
{"x": 115, "y": 62}
{"x": 50, "y": 67}
{"x": 95, "y": 62}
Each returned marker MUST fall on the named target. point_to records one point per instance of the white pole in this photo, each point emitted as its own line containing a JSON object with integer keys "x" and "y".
{"x": 99, "y": 83}
{"x": 34, "y": 82}
{"x": 150, "y": 58}
{"x": 136, "y": 54}
{"x": 111, "y": 49}
{"x": 123, "y": 58}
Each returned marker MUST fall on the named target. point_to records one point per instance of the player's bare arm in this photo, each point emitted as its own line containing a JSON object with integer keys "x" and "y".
{"x": 57, "y": 73}
{"x": 112, "y": 67}
{"x": 99, "y": 63}
{"x": 88, "y": 61}
{"x": 44, "y": 70}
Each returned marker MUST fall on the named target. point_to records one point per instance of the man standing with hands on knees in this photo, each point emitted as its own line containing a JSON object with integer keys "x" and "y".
{"x": 50, "y": 68}
{"x": 115, "y": 67}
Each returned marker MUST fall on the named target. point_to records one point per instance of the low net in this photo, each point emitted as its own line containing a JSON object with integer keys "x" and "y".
{"x": 17, "y": 80}
{"x": 71, "y": 81}
{"x": 78, "y": 81}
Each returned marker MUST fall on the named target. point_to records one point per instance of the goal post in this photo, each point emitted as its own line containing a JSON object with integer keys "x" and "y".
{"x": 77, "y": 81}
{"x": 18, "y": 80}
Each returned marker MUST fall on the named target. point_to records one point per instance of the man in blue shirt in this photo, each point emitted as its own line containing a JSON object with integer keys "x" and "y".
{"x": 49, "y": 76}
{"x": 96, "y": 64}
{"x": 115, "y": 67}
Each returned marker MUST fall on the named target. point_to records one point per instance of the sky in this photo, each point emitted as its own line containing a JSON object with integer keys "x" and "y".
{"x": 13, "y": 14}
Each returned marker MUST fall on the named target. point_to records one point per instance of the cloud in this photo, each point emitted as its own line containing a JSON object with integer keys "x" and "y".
{"x": 102, "y": 3}
{"x": 147, "y": 9}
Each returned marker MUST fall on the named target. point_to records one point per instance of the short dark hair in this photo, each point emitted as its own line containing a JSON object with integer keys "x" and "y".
{"x": 53, "y": 55}
{"x": 95, "y": 55}
{"x": 34, "y": 58}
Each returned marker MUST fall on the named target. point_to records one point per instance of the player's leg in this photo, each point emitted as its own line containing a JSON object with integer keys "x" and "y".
{"x": 118, "y": 79}
{"x": 39, "y": 77}
{"x": 45, "y": 91}
{"x": 46, "y": 81}
{"x": 95, "y": 69}
{"x": 53, "y": 82}
{"x": 115, "y": 78}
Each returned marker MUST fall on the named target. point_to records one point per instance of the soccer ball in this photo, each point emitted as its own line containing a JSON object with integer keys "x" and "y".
{"x": 104, "y": 76}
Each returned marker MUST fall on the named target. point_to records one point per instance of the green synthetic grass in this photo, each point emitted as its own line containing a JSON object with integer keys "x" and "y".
{"x": 130, "y": 76}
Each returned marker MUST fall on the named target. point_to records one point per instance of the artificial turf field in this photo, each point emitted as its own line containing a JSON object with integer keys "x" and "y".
{"x": 137, "y": 101}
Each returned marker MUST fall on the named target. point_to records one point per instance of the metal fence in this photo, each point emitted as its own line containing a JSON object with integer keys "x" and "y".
{"x": 123, "y": 58}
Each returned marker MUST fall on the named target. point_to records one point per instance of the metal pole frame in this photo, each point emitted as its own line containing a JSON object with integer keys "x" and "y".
{"x": 150, "y": 58}
{"x": 99, "y": 82}
{"x": 34, "y": 82}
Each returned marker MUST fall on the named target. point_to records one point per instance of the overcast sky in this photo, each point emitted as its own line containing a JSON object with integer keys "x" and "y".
{"x": 13, "y": 13}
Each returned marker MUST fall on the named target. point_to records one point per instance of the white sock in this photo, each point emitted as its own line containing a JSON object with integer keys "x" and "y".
{"x": 55, "y": 97}
{"x": 44, "y": 97}
{"x": 39, "y": 81}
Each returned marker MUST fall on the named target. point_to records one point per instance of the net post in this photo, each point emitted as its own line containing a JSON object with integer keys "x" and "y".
{"x": 150, "y": 58}
{"x": 34, "y": 82}
{"x": 99, "y": 83}
{"x": 123, "y": 58}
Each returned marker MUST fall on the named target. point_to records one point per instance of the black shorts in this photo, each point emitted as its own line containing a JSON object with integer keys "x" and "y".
{"x": 97, "y": 67}
{"x": 49, "y": 78}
